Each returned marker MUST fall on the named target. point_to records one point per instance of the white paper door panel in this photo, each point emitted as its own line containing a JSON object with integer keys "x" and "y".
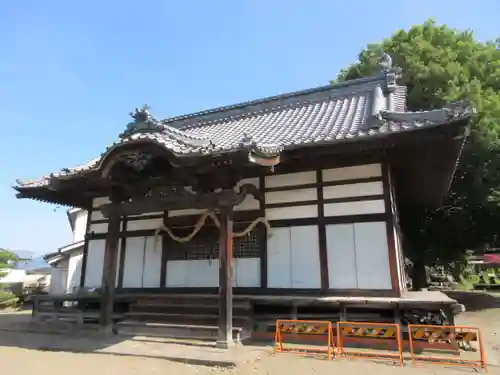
{"x": 95, "y": 260}
{"x": 212, "y": 277}
{"x": 134, "y": 260}
{"x": 279, "y": 262}
{"x": 152, "y": 263}
{"x": 201, "y": 273}
{"x": 305, "y": 257}
{"x": 372, "y": 257}
{"x": 246, "y": 272}
{"x": 341, "y": 254}
{"x": 176, "y": 269}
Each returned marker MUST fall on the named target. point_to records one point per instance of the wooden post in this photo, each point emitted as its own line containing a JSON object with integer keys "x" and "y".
{"x": 109, "y": 273}
{"x": 225, "y": 339}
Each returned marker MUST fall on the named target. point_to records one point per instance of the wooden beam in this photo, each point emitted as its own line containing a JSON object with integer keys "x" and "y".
{"x": 109, "y": 273}
{"x": 389, "y": 223}
{"x": 225, "y": 337}
{"x": 323, "y": 251}
{"x": 181, "y": 201}
{"x": 83, "y": 270}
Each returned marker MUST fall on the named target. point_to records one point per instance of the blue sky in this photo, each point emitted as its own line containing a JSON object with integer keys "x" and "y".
{"x": 71, "y": 71}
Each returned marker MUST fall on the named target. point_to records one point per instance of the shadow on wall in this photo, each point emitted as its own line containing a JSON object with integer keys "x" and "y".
{"x": 475, "y": 301}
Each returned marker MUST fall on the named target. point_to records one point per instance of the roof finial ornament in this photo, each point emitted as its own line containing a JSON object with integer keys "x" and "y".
{"x": 143, "y": 121}
{"x": 141, "y": 114}
{"x": 385, "y": 62}
{"x": 391, "y": 72}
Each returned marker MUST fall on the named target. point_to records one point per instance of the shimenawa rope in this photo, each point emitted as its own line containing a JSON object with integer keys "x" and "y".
{"x": 201, "y": 221}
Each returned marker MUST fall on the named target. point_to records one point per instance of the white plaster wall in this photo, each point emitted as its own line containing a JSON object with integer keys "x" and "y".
{"x": 290, "y": 179}
{"x": 291, "y": 196}
{"x": 352, "y": 173}
{"x": 74, "y": 272}
{"x": 287, "y": 196}
{"x": 97, "y": 215}
{"x": 376, "y": 206}
{"x": 353, "y": 190}
{"x": 295, "y": 212}
{"x": 98, "y": 228}
{"x": 98, "y": 202}
{"x": 80, "y": 226}
{"x": 58, "y": 280}
{"x": 144, "y": 224}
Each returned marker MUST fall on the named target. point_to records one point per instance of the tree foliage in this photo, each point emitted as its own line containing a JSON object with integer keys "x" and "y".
{"x": 441, "y": 64}
{"x": 7, "y": 260}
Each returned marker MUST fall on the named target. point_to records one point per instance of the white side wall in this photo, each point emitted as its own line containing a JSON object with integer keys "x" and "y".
{"x": 74, "y": 272}
{"x": 58, "y": 280}
{"x": 80, "y": 226}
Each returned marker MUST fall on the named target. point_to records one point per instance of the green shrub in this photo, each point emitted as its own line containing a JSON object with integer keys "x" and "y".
{"x": 8, "y": 299}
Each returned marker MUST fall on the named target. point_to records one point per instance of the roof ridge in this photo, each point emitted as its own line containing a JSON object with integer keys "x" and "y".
{"x": 353, "y": 82}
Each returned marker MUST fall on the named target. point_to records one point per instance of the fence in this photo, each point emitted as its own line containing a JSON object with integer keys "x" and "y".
{"x": 304, "y": 327}
{"x": 370, "y": 330}
{"x": 460, "y": 337}
{"x": 455, "y": 337}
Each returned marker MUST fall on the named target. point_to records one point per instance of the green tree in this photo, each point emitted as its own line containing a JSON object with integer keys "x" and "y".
{"x": 441, "y": 64}
{"x": 7, "y": 261}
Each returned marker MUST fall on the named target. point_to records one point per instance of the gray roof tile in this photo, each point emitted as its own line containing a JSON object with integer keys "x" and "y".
{"x": 329, "y": 114}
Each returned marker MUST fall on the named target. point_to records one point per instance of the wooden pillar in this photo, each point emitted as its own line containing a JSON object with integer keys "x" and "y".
{"x": 225, "y": 337}
{"x": 109, "y": 273}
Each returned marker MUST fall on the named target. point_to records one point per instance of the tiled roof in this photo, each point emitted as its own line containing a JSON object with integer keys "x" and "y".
{"x": 358, "y": 109}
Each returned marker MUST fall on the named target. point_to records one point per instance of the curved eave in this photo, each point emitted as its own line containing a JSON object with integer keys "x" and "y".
{"x": 46, "y": 190}
{"x": 46, "y": 195}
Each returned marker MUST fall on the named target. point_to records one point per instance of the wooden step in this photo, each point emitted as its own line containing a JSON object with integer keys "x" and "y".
{"x": 186, "y": 309}
{"x": 205, "y": 300}
{"x": 176, "y": 331}
{"x": 189, "y": 319}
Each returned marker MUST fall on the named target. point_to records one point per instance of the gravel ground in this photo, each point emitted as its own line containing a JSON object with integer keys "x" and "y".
{"x": 29, "y": 352}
